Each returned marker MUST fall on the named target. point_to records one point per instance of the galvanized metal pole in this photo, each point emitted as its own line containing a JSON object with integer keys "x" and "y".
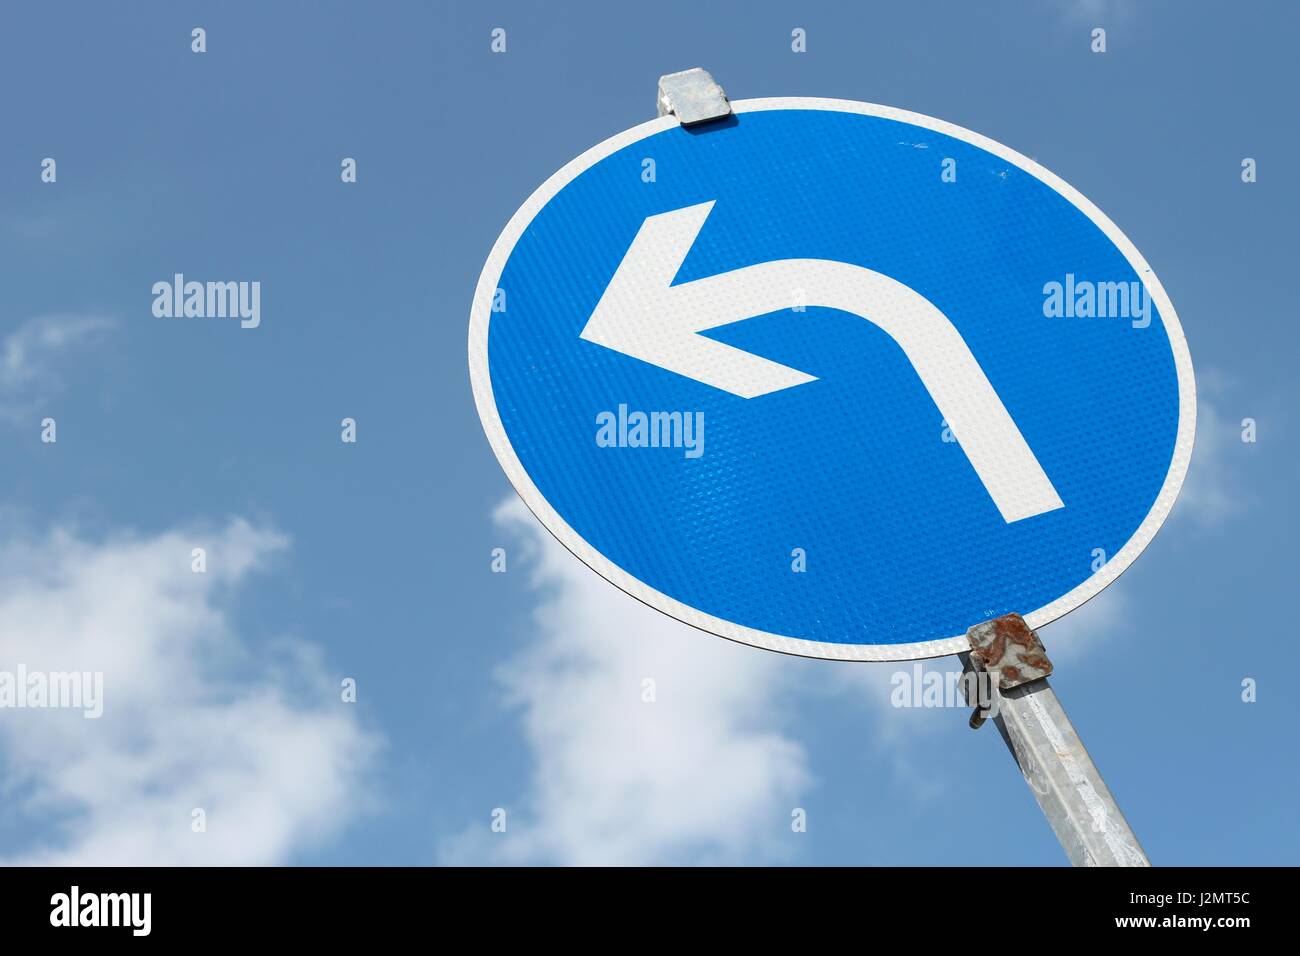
{"x": 1060, "y": 773}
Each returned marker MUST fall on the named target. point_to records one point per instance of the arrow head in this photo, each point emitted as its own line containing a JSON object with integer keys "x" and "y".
{"x": 644, "y": 316}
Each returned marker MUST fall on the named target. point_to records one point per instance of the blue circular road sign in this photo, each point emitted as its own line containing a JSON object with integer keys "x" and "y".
{"x": 832, "y": 379}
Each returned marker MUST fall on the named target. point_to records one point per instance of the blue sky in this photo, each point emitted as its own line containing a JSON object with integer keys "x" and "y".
{"x": 372, "y": 560}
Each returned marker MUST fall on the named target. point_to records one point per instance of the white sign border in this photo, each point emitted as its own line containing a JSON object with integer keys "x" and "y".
{"x": 481, "y": 381}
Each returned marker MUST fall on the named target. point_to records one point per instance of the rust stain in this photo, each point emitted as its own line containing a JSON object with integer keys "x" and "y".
{"x": 1009, "y": 649}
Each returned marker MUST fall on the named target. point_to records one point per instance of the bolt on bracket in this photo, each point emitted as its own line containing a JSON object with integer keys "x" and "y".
{"x": 693, "y": 96}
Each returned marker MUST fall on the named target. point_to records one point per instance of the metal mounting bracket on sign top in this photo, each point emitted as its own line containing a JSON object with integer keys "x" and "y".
{"x": 693, "y": 96}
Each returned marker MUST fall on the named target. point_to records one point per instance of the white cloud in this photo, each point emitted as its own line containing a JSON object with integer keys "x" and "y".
{"x": 1080, "y": 633}
{"x": 193, "y": 716}
{"x": 1212, "y": 490}
{"x": 701, "y": 775}
{"x": 27, "y": 377}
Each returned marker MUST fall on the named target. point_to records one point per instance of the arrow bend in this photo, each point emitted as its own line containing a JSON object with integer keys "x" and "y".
{"x": 643, "y": 315}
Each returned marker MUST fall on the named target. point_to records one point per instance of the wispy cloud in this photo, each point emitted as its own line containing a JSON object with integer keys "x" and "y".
{"x": 1097, "y": 12}
{"x": 702, "y": 774}
{"x": 29, "y": 357}
{"x": 1215, "y": 489}
{"x": 193, "y": 715}
{"x": 1105, "y": 618}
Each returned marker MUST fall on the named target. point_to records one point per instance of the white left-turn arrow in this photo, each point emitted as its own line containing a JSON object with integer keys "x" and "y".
{"x": 643, "y": 315}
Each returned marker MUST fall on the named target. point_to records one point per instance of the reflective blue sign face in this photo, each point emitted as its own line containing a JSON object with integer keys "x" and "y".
{"x": 831, "y": 378}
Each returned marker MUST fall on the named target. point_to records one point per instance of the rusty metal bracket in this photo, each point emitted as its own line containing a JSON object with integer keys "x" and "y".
{"x": 1009, "y": 652}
